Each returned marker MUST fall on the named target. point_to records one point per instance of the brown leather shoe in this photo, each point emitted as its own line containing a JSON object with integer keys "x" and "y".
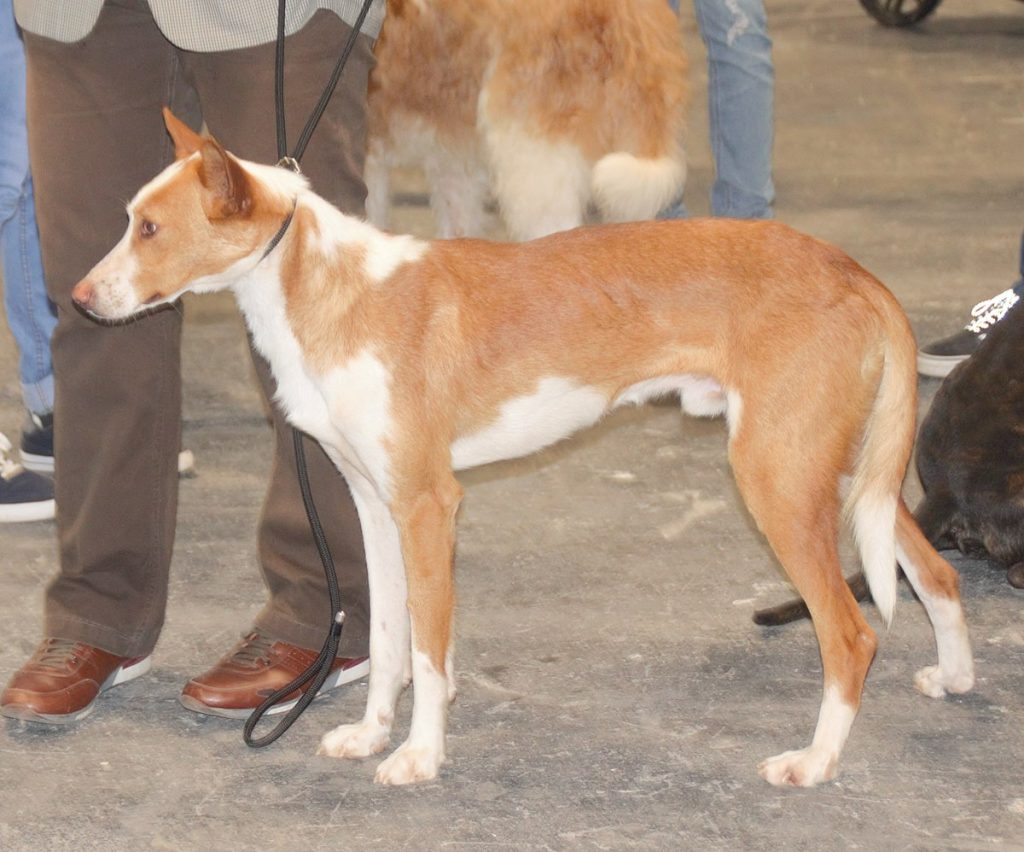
{"x": 253, "y": 670}
{"x": 63, "y": 679}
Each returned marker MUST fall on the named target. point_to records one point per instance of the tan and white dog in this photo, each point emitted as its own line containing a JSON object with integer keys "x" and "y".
{"x": 546, "y": 104}
{"x": 407, "y": 359}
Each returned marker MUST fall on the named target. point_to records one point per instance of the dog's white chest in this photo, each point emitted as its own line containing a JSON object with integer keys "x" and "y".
{"x": 528, "y": 423}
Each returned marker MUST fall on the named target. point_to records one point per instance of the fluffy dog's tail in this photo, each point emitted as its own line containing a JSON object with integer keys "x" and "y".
{"x": 882, "y": 462}
{"x": 627, "y": 188}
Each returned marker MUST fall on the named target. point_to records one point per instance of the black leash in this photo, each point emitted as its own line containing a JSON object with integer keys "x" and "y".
{"x": 320, "y": 669}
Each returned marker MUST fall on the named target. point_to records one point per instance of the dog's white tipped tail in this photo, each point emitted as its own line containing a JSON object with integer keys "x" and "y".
{"x": 874, "y": 525}
{"x": 882, "y": 463}
{"x": 626, "y": 188}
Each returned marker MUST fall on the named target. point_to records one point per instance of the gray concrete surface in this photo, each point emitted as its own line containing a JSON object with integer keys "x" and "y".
{"x": 614, "y": 693}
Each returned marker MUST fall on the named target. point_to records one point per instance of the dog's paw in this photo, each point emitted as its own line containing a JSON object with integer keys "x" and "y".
{"x": 360, "y": 740}
{"x": 934, "y": 683}
{"x": 409, "y": 764}
{"x": 803, "y": 768}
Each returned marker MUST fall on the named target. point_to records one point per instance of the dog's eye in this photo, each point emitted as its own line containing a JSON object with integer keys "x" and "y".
{"x": 147, "y": 228}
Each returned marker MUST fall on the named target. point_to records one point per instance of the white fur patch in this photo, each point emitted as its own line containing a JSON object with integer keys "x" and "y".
{"x": 358, "y": 398}
{"x": 955, "y": 671}
{"x": 261, "y": 301}
{"x": 733, "y": 412}
{"x": 113, "y": 281}
{"x": 384, "y": 252}
{"x": 542, "y": 187}
{"x": 421, "y": 755}
{"x": 700, "y": 396}
{"x": 874, "y": 526}
{"x": 816, "y": 763}
{"x": 526, "y": 424}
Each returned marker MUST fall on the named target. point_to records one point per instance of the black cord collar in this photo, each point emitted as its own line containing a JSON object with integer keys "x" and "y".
{"x": 274, "y": 240}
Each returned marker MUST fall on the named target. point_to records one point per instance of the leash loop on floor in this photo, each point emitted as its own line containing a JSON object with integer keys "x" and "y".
{"x": 320, "y": 669}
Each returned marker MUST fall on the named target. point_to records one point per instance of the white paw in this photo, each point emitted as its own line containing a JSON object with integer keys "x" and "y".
{"x": 410, "y": 764}
{"x": 359, "y": 740}
{"x": 934, "y": 683}
{"x": 802, "y": 768}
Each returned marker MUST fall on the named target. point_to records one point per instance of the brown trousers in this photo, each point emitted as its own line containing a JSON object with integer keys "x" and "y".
{"x": 96, "y": 136}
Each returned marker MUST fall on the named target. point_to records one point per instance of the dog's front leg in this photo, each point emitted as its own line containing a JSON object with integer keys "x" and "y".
{"x": 426, "y": 525}
{"x": 389, "y": 630}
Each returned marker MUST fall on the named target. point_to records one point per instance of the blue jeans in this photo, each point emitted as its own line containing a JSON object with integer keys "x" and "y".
{"x": 30, "y": 315}
{"x": 741, "y": 85}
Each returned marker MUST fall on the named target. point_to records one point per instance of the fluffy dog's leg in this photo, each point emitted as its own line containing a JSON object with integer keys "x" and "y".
{"x": 426, "y": 522}
{"x": 458, "y": 192}
{"x": 937, "y": 585}
{"x": 542, "y": 186}
{"x": 377, "y": 175}
{"x": 797, "y": 510}
{"x": 389, "y": 631}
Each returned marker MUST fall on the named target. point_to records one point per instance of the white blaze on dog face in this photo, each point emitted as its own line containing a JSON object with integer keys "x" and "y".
{"x": 191, "y": 227}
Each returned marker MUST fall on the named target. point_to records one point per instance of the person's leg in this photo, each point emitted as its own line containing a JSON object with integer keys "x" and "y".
{"x": 96, "y": 136}
{"x": 740, "y": 104}
{"x": 236, "y": 94}
{"x": 30, "y": 315}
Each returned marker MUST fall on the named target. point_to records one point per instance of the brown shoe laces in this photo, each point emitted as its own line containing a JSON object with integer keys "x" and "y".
{"x": 255, "y": 650}
{"x": 59, "y": 654}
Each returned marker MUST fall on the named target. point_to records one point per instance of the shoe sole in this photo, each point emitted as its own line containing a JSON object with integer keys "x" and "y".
{"x": 122, "y": 674}
{"x": 336, "y": 679}
{"x": 18, "y": 513}
{"x": 938, "y": 366}
{"x": 44, "y": 464}
{"x": 39, "y": 464}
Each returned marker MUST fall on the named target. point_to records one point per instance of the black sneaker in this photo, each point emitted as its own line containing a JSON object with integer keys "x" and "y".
{"x": 37, "y": 447}
{"x": 37, "y": 443}
{"x": 24, "y": 495}
{"x": 939, "y": 358}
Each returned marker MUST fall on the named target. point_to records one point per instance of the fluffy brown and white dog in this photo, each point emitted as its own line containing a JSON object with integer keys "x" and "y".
{"x": 547, "y": 104}
{"x": 409, "y": 359}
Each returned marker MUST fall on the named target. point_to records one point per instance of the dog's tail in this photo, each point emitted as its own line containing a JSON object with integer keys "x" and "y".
{"x": 627, "y": 188}
{"x": 882, "y": 462}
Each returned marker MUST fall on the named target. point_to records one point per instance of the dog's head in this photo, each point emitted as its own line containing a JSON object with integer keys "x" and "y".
{"x": 198, "y": 225}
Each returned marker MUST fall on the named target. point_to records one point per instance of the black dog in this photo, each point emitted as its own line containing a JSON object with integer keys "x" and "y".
{"x": 970, "y": 458}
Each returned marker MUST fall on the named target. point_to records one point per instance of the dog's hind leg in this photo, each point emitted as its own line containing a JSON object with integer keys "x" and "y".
{"x": 426, "y": 523}
{"x": 389, "y": 630}
{"x": 937, "y": 585}
{"x": 796, "y": 506}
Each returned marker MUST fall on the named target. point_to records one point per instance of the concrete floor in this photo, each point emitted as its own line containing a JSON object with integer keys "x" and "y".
{"x": 613, "y": 690}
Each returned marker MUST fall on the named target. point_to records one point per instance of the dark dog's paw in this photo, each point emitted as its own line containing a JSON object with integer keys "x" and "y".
{"x": 1015, "y": 575}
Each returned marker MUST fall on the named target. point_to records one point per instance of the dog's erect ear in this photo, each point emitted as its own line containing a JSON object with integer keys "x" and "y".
{"x": 186, "y": 140}
{"x": 227, "y": 192}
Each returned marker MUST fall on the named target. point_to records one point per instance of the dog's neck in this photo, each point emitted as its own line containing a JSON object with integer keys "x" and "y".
{"x": 296, "y": 298}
